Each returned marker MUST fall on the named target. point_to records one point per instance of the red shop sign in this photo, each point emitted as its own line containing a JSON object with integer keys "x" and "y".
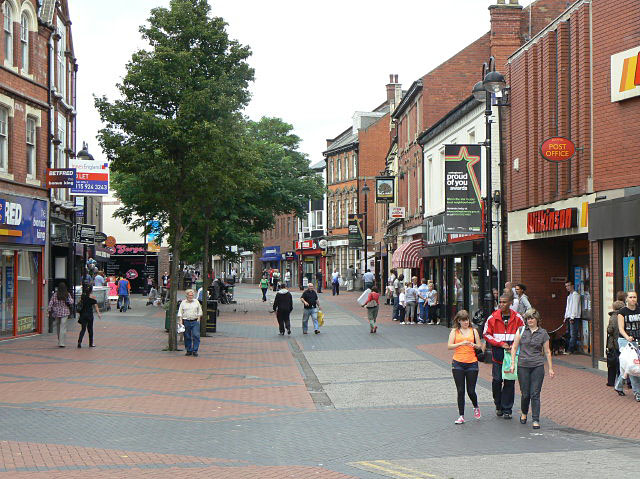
{"x": 551, "y": 220}
{"x": 557, "y": 149}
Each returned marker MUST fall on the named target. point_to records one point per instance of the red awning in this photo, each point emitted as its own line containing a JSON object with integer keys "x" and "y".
{"x": 408, "y": 254}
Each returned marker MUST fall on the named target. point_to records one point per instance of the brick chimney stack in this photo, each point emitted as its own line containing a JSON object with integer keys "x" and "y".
{"x": 506, "y": 30}
{"x": 394, "y": 91}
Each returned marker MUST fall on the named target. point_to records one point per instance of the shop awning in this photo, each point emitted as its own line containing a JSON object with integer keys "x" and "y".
{"x": 408, "y": 254}
{"x": 267, "y": 259}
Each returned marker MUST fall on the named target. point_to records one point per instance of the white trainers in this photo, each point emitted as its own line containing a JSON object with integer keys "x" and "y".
{"x": 460, "y": 420}
{"x": 403, "y": 322}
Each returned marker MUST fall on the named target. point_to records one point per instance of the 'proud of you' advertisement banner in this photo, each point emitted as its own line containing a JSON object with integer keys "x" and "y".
{"x": 463, "y": 200}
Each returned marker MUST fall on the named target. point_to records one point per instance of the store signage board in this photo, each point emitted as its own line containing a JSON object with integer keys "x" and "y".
{"x": 397, "y": 212}
{"x": 23, "y": 220}
{"x": 385, "y": 189}
{"x": 110, "y": 242}
{"x": 557, "y": 149}
{"x": 60, "y": 178}
{"x": 92, "y": 177}
{"x": 542, "y": 221}
{"x": 85, "y": 234}
{"x": 308, "y": 244}
{"x": 435, "y": 234}
{"x": 355, "y": 232}
{"x": 463, "y": 202}
{"x": 625, "y": 74}
{"x": 100, "y": 237}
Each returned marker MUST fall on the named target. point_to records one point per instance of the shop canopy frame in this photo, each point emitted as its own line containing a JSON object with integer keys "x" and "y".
{"x": 408, "y": 255}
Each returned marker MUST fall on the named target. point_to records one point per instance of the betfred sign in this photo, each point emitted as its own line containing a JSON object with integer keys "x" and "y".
{"x": 60, "y": 178}
{"x": 551, "y": 220}
{"x": 557, "y": 149}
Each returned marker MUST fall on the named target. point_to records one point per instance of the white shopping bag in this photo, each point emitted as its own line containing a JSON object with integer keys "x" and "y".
{"x": 629, "y": 361}
{"x": 363, "y": 297}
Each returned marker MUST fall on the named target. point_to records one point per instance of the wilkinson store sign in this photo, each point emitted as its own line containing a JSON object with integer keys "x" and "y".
{"x": 552, "y": 220}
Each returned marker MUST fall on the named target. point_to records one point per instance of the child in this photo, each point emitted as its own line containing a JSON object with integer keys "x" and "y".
{"x": 402, "y": 305}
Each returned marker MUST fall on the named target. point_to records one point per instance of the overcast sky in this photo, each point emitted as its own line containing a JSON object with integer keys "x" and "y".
{"x": 316, "y": 62}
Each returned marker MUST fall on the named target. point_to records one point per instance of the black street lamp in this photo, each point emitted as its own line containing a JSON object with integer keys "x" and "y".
{"x": 85, "y": 156}
{"x": 365, "y": 190}
{"x": 493, "y": 83}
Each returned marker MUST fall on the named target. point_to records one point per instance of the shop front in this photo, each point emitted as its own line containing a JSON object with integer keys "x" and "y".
{"x": 271, "y": 257}
{"x": 134, "y": 262}
{"x": 548, "y": 246}
{"x": 615, "y": 232}
{"x": 23, "y": 235}
{"x": 452, "y": 263}
{"x": 311, "y": 259}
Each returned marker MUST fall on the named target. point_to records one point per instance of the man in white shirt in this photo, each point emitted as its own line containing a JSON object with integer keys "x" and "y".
{"x": 189, "y": 314}
{"x": 99, "y": 280}
{"x": 572, "y": 315}
{"x": 369, "y": 279}
{"x": 335, "y": 282}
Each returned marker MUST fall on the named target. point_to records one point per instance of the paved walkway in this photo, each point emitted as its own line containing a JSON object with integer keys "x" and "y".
{"x": 341, "y": 404}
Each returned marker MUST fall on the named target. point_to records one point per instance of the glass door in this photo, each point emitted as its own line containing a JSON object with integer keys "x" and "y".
{"x": 7, "y": 291}
{"x": 28, "y": 269}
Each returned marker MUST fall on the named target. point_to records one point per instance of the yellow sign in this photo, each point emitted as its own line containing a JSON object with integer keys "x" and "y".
{"x": 25, "y": 325}
{"x": 153, "y": 247}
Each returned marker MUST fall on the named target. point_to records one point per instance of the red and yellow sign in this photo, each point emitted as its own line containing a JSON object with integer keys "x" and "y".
{"x": 557, "y": 149}
{"x": 625, "y": 74}
{"x": 551, "y": 220}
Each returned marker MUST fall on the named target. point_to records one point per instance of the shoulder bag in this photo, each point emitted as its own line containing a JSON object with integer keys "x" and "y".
{"x": 479, "y": 352}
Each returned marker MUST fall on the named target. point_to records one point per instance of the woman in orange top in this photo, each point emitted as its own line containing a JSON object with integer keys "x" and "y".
{"x": 464, "y": 340}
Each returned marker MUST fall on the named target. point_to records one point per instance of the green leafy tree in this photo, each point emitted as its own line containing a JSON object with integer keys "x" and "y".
{"x": 168, "y": 133}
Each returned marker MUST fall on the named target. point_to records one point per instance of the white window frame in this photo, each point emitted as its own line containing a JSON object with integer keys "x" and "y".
{"x": 31, "y": 139}
{"x": 8, "y": 32}
{"x": 355, "y": 165}
{"x": 61, "y": 83}
{"x": 339, "y": 212}
{"x": 4, "y": 138}
{"x": 318, "y": 220}
{"x": 61, "y": 156}
{"x": 24, "y": 41}
{"x": 472, "y": 136}
{"x": 338, "y": 170}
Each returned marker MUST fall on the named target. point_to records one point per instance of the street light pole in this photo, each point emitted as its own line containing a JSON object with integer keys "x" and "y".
{"x": 365, "y": 190}
{"x": 492, "y": 82}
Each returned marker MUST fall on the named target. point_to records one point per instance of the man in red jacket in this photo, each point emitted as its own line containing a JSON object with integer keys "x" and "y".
{"x": 500, "y": 331}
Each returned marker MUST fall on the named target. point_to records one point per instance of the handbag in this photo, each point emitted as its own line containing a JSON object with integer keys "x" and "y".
{"x": 479, "y": 352}
{"x": 320, "y": 318}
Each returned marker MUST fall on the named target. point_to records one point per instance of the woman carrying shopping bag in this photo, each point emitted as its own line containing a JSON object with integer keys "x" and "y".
{"x": 60, "y": 307}
{"x": 372, "y": 304}
{"x": 532, "y": 341}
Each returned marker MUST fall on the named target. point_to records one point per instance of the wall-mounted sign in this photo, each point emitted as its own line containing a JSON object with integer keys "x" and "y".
{"x": 92, "y": 177}
{"x": 100, "y": 237}
{"x": 323, "y": 243}
{"x": 463, "y": 203}
{"x": 435, "y": 234}
{"x": 385, "y": 189}
{"x": 23, "y": 220}
{"x": 110, "y": 242}
{"x": 308, "y": 244}
{"x": 84, "y": 234}
{"x": 355, "y": 231}
{"x": 60, "y": 178}
{"x": 557, "y": 149}
{"x": 130, "y": 249}
{"x": 551, "y": 220}
{"x": 396, "y": 212}
{"x": 625, "y": 74}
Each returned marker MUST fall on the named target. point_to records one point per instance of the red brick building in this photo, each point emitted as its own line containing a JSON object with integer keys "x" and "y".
{"x": 37, "y": 130}
{"x": 570, "y": 80}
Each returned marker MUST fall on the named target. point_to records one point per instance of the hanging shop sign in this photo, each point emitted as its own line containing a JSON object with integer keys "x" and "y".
{"x": 625, "y": 74}
{"x": 130, "y": 249}
{"x": 308, "y": 244}
{"x": 355, "y": 231}
{"x": 385, "y": 189}
{"x": 557, "y": 149}
{"x": 435, "y": 234}
{"x": 84, "y": 234}
{"x": 463, "y": 202}
{"x": 60, "y": 178}
{"x": 551, "y": 220}
{"x": 100, "y": 237}
{"x": 396, "y": 212}
{"x": 92, "y": 177}
{"x": 23, "y": 220}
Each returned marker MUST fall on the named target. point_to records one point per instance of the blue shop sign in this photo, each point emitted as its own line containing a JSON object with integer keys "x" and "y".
{"x": 23, "y": 220}
{"x": 271, "y": 253}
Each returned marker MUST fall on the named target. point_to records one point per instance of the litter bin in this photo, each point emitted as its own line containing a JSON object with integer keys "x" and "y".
{"x": 212, "y": 315}
{"x": 166, "y": 316}
{"x": 199, "y": 284}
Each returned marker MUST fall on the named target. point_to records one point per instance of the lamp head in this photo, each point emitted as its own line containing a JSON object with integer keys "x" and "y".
{"x": 494, "y": 82}
{"x": 479, "y": 92}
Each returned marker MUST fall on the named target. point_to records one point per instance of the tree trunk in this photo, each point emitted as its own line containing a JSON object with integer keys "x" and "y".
{"x": 173, "y": 291}
{"x": 205, "y": 281}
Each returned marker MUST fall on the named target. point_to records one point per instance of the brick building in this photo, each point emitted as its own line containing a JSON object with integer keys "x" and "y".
{"x": 37, "y": 130}
{"x": 571, "y": 80}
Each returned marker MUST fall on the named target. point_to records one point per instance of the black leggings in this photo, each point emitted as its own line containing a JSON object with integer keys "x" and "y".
{"x": 471, "y": 377}
{"x": 86, "y": 325}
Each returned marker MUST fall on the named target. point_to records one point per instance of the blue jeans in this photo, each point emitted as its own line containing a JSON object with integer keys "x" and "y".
{"x": 396, "y": 310}
{"x": 423, "y": 307}
{"x": 123, "y": 298}
{"x": 336, "y": 288}
{"x": 313, "y": 312}
{"x": 191, "y": 335}
{"x": 574, "y": 328}
{"x": 635, "y": 380}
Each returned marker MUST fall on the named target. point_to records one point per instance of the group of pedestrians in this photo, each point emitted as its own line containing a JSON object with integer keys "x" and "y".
{"x": 413, "y": 302}
{"x": 283, "y": 306}
{"x": 61, "y": 306}
{"x": 519, "y": 347}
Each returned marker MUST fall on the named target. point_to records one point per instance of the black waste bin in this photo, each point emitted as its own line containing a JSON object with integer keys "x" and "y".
{"x": 212, "y": 315}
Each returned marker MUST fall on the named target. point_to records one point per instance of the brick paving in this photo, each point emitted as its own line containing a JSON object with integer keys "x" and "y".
{"x": 251, "y": 405}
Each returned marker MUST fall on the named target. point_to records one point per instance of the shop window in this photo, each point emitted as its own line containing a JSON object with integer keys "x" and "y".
{"x": 27, "y": 292}
{"x": 31, "y": 147}
{"x": 629, "y": 265}
{"x": 474, "y": 286}
{"x": 7, "y": 289}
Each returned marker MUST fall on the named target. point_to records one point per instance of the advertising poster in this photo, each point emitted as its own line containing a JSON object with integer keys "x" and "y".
{"x": 629, "y": 273}
{"x": 463, "y": 202}
{"x": 355, "y": 232}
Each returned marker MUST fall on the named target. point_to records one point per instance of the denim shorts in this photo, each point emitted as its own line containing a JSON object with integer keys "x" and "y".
{"x": 457, "y": 365}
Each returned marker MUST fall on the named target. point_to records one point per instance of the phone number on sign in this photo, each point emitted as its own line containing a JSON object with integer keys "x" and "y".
{"x": 92, "y": 186}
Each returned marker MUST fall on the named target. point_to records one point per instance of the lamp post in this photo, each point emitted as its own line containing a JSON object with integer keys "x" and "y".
{"x": 365, "y": 190}
{"x": 85, "y": 156}
{"x": 493, "y": 82}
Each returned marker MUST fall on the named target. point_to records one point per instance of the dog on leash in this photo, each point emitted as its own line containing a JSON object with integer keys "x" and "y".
{"x": 559, "y": 343}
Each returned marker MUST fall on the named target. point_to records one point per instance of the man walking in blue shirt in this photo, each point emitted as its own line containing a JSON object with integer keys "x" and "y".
{"x": 123, "y": 294}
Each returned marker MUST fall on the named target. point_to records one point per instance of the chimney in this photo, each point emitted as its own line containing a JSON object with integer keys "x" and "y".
{"x": 394, "y": 91}
{"x": 506, "y": 30}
